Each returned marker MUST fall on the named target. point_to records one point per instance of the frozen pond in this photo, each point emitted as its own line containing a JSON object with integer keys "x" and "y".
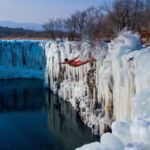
{"x": 31, "y": 118}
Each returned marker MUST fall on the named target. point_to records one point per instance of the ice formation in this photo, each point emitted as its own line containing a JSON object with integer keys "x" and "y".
{"x": 77, "y": 85}
{"x": 123, "y": 82}
{"x": 22, "y": 59}
{"x": 114, "y": 88}
{"x": 108, "y": 142}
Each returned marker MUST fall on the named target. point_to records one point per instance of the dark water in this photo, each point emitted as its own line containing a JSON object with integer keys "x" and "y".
{"x": 31, "y": 118}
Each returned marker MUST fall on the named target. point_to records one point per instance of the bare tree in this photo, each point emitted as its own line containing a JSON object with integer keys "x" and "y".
{"x": 50, "y": 28}
{"x": 85, "y": 23}
{"x": 59, "y": 27}
{"x": 55, "y": 27}
{"x": 71, "y": 26}
{"x": 81, "y": 21}
{"x": 126, "y": 13}
{"x": 93, "y": 21}
{"x": 146, "y": 18}
{"x": 102, "y": 20}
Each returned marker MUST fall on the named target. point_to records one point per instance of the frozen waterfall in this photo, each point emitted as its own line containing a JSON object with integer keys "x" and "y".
{"x": 114, "y": 88}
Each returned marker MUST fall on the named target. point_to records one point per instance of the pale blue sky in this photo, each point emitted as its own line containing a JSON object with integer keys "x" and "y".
{"x": 39, "y": 11}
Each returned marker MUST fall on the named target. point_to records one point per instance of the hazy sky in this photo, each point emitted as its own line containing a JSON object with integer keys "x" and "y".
{"x": 39, "y": 11}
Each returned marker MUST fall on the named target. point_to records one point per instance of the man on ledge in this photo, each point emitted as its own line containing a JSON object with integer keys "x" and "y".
{"x": 76, "y": 63}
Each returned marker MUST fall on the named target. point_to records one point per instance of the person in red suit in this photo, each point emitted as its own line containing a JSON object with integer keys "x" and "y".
{"x": 76, "y": 63}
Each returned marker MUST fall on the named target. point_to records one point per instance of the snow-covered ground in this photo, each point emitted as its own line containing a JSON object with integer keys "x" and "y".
{"x": 111, "y": 92}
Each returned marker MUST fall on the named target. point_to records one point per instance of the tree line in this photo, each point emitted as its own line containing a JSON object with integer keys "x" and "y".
{"x": 6, "y": 32}
{"x": 102, "y": 20}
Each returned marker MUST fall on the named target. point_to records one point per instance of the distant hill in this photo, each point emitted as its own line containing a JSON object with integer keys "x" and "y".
{"x": 21, "y": 33}
{"x": 6, "y": 32}
{"x": 29, "y": 26}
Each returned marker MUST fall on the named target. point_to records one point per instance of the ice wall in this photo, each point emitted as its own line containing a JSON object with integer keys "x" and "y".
{"x": 124, "y": 77}
{"x": 76, "y": 84}
{"x": 115, "y": 87}
{"x": 56, "y": 52}
{"x": 100, "y": 91}
{"x": 115, "y": 79}
{"x": 22, "y": 58}
{"x": 123, "y": 82}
